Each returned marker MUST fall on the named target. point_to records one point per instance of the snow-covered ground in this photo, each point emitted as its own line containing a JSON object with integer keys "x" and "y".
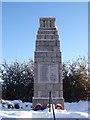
{"x": 72, "y": 110}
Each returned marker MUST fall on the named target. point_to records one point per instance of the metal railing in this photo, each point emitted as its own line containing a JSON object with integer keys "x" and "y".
{"x": 51, "y": 103}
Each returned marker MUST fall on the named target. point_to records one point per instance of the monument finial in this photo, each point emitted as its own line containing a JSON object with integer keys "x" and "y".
{"x": 47, "y": 22}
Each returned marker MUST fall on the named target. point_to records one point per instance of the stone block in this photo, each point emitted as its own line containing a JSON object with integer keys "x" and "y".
{"x": 51, "y": 54}
{"x": 45, "y": 101}
{"x": 52, "y": 43}
{"x": 58, "y": 54}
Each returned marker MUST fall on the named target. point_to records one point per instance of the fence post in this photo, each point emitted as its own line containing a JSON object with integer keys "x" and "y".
{"x": 50, "y": 101}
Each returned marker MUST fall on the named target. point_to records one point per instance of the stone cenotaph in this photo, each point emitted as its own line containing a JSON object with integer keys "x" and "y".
{"x": 47, "y": 64}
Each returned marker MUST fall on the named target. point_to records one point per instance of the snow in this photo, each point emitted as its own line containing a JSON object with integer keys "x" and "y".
{"x": 72, "y": 110}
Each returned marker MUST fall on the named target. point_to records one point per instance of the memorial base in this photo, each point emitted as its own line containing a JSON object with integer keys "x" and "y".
{"x": 45, "y": 101}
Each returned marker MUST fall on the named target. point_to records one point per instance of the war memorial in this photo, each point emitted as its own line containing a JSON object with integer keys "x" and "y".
{"x": 47, "y": 64}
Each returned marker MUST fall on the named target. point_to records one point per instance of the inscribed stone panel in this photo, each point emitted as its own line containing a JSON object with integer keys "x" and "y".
{"x": 48, "y": 73}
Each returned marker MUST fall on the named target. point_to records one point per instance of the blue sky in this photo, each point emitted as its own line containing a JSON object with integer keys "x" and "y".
{"x": 21, "y": 22}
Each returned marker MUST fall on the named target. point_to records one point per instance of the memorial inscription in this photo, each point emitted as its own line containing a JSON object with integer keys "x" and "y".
{"x": 48, "y": 73}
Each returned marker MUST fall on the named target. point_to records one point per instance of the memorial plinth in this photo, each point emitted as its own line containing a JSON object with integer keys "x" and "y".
{"x": 47, "y": 64}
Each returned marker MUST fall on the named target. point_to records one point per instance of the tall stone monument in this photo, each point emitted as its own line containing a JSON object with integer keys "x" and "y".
{"x": 47, "y": 64}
